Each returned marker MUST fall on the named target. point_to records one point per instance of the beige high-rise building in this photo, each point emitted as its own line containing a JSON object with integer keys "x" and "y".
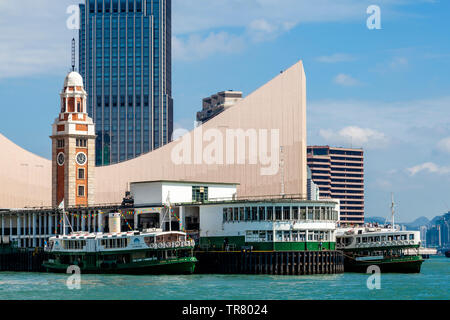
{"x": 339, "y": 174}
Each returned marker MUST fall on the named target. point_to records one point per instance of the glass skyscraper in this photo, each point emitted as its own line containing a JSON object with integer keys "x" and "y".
{"x": 126, "y": 63}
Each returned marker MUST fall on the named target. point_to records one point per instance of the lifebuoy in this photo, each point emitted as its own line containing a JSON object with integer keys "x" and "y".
{"x": 177, "y": 244}
{"x": 161, "y": 245}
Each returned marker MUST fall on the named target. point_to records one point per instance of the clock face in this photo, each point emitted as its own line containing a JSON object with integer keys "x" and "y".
{"x": 60, "y": 159}
{"x": 81, "y": 158}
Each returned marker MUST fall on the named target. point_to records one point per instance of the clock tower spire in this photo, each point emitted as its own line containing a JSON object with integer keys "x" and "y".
{"x": 73, "y": 147}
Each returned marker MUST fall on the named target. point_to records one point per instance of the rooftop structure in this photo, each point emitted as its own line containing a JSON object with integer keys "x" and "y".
{"x": 218, "y": 103}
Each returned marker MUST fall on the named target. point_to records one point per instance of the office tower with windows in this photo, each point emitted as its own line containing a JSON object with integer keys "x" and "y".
{"x": 125, "y": 61}
{"x": 339, "y": 174}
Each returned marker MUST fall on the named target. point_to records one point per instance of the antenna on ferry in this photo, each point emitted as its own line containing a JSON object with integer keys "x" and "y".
{"x": 393, "y": 210}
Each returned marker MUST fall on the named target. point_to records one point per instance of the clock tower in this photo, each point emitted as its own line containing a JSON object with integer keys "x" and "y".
{"x": 73, "y": 148}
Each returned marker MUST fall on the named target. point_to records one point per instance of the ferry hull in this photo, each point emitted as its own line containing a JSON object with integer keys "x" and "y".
{"x": 185, "y": 266}
{"x": 391, "y": 266}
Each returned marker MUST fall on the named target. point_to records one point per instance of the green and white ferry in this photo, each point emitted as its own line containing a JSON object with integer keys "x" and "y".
{"x": 389, "y": 249}
{"x": 152, "y": 251}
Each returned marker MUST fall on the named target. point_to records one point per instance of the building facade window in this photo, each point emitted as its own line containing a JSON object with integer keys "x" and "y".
{"x": 81, "y": 192}
{"x": 81, "y": 173}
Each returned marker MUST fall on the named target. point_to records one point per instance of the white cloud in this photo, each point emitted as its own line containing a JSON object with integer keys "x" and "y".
{"x": 414, "y": 121}
{"x": 430, "y": 167}
{"x": 356, "y": 136}
{"x": 335, "y": 58}
{"x": 34, "y": 38}
{"x": 195, "y": 47}
{"x": 346, "y": 80}
{"x": 444, "y": 145}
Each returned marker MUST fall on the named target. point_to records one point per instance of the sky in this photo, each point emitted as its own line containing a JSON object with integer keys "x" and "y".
{"x": 386, "y": 90}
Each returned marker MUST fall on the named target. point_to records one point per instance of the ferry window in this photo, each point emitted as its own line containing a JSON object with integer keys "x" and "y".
{"x": 317, "y": 213}
{"x": 358, "y": 240}
{"x": 269, "y": 235}
{"x": 295, "y": 213}
{"x": 224, "y": 214}
{"x": 277, "y": 213}
{"x": 310, "y": 213}
{"x": 403, "y": 236}
{"x": 262, "y": 213}
{"x": 326, "y": 236}
{"x": 241, "y": 214}
{"x": 279, "y": 236}
{"x": 390, "y": 238}
{"x": 377, "y": 239}
{"x": 254, "y": 213}
{"x": 411, "y": 236}
{"x": 286, "y": 213}
{"x": 230, "y": 214}
{"x": 303, "y": 213}
{"x": 270, "y": 213}
{"x": 310, "y": 236}
{"x": 295, "y": 236}
{"x": 262, "y": 236}
{"x": 383, "y": 238}
{"x": 286, "y": 236}
{"x": 322, "y": 213}
{"x": 364, "y": 239}
{"x": 236, "y": 214}
{"x": 370, "y": 239}
{"x": 302, "y": 236}
{"x": 247, "y": 214}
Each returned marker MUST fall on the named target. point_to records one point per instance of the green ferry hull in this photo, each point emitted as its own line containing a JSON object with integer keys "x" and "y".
{"x": 181, "y": 266}
{"x": 386, "y": 266}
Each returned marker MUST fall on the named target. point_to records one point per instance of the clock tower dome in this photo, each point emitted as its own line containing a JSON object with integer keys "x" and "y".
{"x": 73, "y": 148}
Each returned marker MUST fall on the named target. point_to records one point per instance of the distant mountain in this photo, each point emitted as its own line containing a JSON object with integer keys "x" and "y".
{"x": 422, "y": 221}
{"x": 379, "y": 220}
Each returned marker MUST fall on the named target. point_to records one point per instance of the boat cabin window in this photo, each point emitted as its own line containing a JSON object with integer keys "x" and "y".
{"x": 358, "y": 240}
{"x": 364, "y": 239}
{"x": 254, "y": 214}
{"x": 279, "y": 236}
{"x": 411, "y": 236}
{"x": 241, "y": 214}
{"x": 247, "y": 214}
{"x": 115, "y": 243}
{"x": 383, "y": 238}
{"x": 270, "y": 213}
{"x": 302, "y": 213}
{"x": 404, "y": 237}
{"x": 262, "y": 213}
{"x": 295, "y": 213}
{"x": 278, "y": 213}
{"x": 236, "y": 214}
{"x": 286, "y": 213}
{"x": 74, "y": 244}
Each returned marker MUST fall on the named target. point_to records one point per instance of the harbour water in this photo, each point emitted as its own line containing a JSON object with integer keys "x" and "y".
{"x": 430, "y": 284}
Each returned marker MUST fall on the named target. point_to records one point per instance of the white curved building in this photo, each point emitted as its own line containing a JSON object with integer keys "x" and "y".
{"x": 271, "y": 120}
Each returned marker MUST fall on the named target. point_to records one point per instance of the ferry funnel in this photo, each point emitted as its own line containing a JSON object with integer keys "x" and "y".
{"x": 114, "y": 223}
